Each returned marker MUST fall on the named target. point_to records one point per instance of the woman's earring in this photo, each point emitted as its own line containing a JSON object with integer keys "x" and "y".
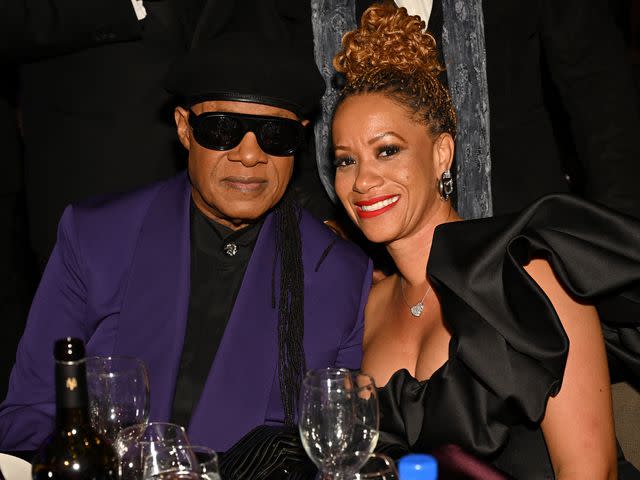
{"x": 445, "y": 185}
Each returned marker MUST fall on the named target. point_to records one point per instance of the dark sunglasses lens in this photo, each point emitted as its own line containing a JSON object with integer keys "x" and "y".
{"x": 280, "y": 137}
{"x": 219, "y": 132}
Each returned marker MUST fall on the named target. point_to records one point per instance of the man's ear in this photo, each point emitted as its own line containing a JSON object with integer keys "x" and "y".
{"x": 443, "y": 150}
{"x": 181, "y": 117}
{"x": 305, "y": 123}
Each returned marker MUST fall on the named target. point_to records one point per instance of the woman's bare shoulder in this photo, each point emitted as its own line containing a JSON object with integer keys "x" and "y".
{"x": 381, "y": 291}
{"x": 379, "y": 298}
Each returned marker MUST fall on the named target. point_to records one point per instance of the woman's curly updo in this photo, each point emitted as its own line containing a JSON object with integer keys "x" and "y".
{"x": 391, "y": 54}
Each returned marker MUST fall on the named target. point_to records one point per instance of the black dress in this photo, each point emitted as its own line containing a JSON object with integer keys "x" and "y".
{"x": 508, "y": 348}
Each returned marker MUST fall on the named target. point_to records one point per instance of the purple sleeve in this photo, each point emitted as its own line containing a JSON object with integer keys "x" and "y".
{"x": 350, "y": 353}
{"x": 58, "y": 309}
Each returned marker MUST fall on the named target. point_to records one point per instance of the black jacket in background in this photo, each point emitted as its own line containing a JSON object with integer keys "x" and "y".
{"x": 95, "y": 116}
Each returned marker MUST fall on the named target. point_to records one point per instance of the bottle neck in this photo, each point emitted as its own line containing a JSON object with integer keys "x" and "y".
{"x": 72, "y": 399}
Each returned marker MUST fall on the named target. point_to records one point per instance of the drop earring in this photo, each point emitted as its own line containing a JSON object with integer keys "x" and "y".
{"x": 445, "y": 185}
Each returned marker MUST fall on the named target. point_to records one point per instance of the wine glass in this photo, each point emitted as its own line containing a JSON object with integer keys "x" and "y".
{"x": 182, "y": 458}
{"x": 118, "y": 393}
{"x": 378, "y": 467}
{"x": 338, "y": 420}
{"x": 135, "y": 444}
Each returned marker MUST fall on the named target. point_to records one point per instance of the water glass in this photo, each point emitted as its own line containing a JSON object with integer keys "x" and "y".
{"x": 182, "y": 458}
{"x": 118, "y": 393}
{"x": 136, "y": 444}
{"x": 338, "y": 420}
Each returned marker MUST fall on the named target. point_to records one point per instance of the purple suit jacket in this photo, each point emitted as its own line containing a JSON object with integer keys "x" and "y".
{"x": 119, "y": 278}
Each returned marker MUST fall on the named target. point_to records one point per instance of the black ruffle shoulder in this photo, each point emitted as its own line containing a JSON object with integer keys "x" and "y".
{"x": 508, "y": 348}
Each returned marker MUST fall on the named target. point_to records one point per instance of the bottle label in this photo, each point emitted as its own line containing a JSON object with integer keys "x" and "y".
{"x": 71, "y": 385}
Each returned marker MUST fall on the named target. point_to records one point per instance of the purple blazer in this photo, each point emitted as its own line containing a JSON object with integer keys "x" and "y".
{"x": 119, "y": 278}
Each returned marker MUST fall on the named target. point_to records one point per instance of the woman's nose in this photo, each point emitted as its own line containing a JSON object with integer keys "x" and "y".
{"x": 367, "y": 178}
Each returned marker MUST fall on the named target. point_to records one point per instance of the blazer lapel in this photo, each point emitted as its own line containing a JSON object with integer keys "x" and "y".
{"x": 154, "y": 310}
{"x": 236, "y": 395}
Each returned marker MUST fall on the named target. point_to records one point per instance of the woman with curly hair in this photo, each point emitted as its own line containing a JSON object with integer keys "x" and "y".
{"x": 499, "y": 347}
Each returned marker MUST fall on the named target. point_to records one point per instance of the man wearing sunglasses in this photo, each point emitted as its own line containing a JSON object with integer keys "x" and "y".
{"x": 239, "y": 162}
{"x": 216, "y": 279}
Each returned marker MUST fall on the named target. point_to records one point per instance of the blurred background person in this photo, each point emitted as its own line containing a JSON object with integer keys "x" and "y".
{"x": 89, "y": 85}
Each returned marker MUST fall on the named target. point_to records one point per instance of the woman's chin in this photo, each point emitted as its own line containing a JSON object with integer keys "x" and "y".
{"x": 378, "y": 235}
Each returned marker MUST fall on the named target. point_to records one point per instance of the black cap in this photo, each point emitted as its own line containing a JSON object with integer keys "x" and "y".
{"x": 258, "y": 51}
{"x": 68, "y": 350}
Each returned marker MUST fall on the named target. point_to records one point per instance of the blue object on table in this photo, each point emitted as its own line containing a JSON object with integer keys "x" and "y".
{"x": 418, "y": 466}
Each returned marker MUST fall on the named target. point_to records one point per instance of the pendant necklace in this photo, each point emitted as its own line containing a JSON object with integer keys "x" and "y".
{"x": 417, "y": 309}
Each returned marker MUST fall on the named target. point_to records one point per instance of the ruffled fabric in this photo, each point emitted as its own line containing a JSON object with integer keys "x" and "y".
{"x": 508, "y": 349}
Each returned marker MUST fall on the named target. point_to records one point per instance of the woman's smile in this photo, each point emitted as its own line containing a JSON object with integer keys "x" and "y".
{"x": 376, "y": 206}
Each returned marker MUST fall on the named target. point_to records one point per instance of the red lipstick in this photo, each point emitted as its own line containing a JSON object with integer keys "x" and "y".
{"x": 364, "y": 212}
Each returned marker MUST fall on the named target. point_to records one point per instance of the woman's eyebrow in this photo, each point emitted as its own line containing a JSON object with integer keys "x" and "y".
{"x": 384, "y": 134}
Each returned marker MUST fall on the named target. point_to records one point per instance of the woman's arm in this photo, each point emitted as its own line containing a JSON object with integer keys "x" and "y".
{"x": 578, "y": 423}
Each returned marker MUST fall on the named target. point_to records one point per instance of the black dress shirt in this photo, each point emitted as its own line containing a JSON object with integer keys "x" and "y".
{"x": 219, "y": 258}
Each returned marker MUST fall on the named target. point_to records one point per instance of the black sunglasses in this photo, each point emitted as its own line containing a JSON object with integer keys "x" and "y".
{"x": 276, "y": 136}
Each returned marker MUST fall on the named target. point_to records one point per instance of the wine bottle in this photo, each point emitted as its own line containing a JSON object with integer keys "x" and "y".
{"x": 74, "y": 450}
{"x": 417, "y": 466}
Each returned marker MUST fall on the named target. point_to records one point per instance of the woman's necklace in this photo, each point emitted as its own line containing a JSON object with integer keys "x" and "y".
{"x": 417, "y": 309}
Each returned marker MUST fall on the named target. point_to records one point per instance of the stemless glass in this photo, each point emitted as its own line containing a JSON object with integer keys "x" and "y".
{"x": 137, "y": 443}
{"x": 378, "y": 467}
{"x": 207, "y": 462}
{"x": 118, "y": 393}
{"x": 338, "y": 420}
{"x": 182, "y": 458}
